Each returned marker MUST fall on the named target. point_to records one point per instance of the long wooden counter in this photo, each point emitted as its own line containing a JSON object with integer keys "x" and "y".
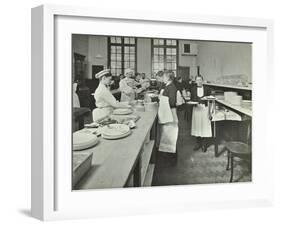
{"x": 114, "y": 161}
{"x": 229, "y": 86}
{"x": 239, "y": 109}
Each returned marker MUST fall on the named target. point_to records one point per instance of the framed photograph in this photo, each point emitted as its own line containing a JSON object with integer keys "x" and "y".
{"x": 136, "y": 112}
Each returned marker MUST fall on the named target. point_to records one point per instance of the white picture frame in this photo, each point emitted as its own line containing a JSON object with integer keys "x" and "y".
{"x": 51, "y": 198}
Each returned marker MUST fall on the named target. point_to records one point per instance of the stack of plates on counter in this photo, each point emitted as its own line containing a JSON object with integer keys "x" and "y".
{"x": 209, "y": 98}
{"x": 83, "y": 140}
{"x": 115, "y": 131}
{"x": 192, "y": 102}
{"x": 122, "y": 111}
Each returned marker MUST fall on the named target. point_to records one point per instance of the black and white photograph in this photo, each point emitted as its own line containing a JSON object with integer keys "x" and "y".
{"x": 160, "y": 112}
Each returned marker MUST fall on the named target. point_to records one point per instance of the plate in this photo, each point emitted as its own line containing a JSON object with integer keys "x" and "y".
{"x": 115, "y": 130}
{"x": 116, "y": 137}
{"x": 83, "y": 140}
{"x": 122, "y": 111}
{"x": 192, "y": 102}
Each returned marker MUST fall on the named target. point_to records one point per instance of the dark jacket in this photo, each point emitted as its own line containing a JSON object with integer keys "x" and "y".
{"x": 171, "y": 92}
{"x": 194, "y": 96}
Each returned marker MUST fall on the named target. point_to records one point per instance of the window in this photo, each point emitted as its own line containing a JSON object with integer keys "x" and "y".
{"x": 122, "y": 54}
{"x": 164, "y": 55}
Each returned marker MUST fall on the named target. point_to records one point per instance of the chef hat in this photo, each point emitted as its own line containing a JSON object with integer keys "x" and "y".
{"x": 128, "y": 71}
{"x": 102, "y": 73}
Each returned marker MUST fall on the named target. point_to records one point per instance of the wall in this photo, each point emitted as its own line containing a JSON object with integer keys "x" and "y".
{"x": 144, "y": 55}
{"x": 187, "y": 61}
{"x": 97, "y": 52}
{"x": 217, "y": 58}
{"x": 80, "y": 44}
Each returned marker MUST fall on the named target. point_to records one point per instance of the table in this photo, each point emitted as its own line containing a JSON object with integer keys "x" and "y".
{"x": 115, "y": 161}
{"x": 238, "y": 109}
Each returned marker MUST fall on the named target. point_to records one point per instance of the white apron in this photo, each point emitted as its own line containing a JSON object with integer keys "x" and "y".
{"x": 101, "y": 113}
{"x": 168, "y": 126}
{"x": 201, "y": 124}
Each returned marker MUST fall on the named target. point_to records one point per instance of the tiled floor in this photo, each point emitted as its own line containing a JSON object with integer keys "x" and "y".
{"x": 194, "y": 167}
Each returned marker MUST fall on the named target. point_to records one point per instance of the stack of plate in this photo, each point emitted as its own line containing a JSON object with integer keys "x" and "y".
{"x": 122, "y": 111}
{"x": 115, "y": 131}
{"x": 83, "y": 140}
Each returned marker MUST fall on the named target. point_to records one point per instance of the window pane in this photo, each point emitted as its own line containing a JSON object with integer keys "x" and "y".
{"x": 156, "y": 51}
{"x": 126, "y": 64}
{"x": 169, "y": 66}
{"x": 118, "y": 40}
{"x": 174, "y": 42}
{"x": 113, "y": 65}
{"x": 161, "y": 66}
{"x": 161, "y": 51}
{"x": 126, "y": 57}
{"x": 169, "y": 58}
{"x": 132, "y": 65}
{"x": 155, "y": 65}
{"x": 127, "y": 40}
{"x": 112, "y": 40}
{"x": 118, "y": 49}
{"x": 155, "y": 41}
{"x": 155, "y": 58}
{"x": 132, "y": 49}
{"x": 113, "y": 49}
{"x": 171, "y": 42}
{"x": 132, "y": 57}
{"x": 174, "y": 51}
{"x": 132, "y": 40}
{"x": 161, "y": 58}
{"x": 118, "y": 64}
{"x": 168, "y": 51}
{"x": 161, "y": 41}
{"x": 127, "y": 50}
{"x": 118, "y": 57}
{"x": 113, "y": 56}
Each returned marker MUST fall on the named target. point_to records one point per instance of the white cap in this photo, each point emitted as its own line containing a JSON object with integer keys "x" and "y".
{"x": 128, "y": 71}
{"x": 102, "y": 73}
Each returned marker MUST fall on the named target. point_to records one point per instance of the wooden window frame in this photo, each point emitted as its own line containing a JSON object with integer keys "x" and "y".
{"x": 165, "y": 46}
{"x": 123, "y": 45}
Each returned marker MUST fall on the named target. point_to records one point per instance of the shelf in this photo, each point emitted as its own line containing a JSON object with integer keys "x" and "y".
{"x": 145, "y": 159}
{"x": 149, "y": 176}
{"x": 229, "y": 86}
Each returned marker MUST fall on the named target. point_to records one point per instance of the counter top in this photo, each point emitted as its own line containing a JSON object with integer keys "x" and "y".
{"x": 229, "y": 86}
{"x": 243, "y": 110}
{"x": 114, "y": 160}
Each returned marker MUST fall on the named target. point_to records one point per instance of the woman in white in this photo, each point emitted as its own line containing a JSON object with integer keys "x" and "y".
{"x": 167, "y": 115}
{"x": 126, "y": 86}
{"x": 105, "y": 101}
{"x": 201, "y": 124}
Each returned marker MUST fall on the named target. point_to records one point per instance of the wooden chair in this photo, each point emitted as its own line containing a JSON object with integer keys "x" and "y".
{"x": 236, "y": 149}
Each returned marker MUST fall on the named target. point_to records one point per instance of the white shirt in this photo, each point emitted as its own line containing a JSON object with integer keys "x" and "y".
{"x": 104, "y": 97}
{"x": 128, "y": 92}
{"x": 200, "y": 91}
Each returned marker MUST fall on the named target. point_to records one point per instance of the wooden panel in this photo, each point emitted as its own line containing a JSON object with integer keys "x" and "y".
{"x": 145, "y": 158}
{"x": 149, "y": 175}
